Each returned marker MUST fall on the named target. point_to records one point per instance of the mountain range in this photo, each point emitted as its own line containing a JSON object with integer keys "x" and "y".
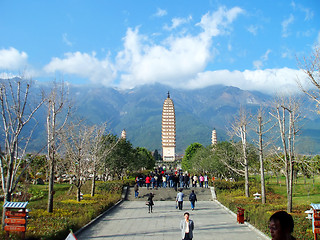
{"x": 198, "y": 112}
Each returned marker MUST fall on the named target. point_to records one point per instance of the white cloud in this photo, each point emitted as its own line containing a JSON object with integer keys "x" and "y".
{"x": 268, "y": 80}
{"x": 265, "y": 56}
{"x": 66, "y": 40}
{"x": 307, "y": 11}
{"x": 5, "y": 75}
{"x": 285, "y": 24}
{"x": 218, "y": 22}
{"x": 309, "y": 14}
{"x": 84, "y": 65}
{"x": 12, "y": 59}
{"x": 176, "y": 22}
{"x": 253, "y": 29}
{"x": 258, "y": 64}
{"x": 178, "y": 58}
{"x": 160, "y": 12}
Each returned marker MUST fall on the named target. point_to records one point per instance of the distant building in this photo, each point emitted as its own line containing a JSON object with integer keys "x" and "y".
{"x": 168, "y": 130}
{"x": 123, "y": 134}
{"x": 214, "y": 137}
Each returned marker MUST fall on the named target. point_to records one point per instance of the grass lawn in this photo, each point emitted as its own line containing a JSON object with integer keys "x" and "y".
{"x": 305, "y": 191}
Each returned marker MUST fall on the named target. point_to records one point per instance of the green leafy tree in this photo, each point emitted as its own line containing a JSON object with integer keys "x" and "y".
{"x": 145, "y": 158}
{"x": 122, "y": 157}
{"x": 37, "y": 165}
{"x": 274, "y": 164}
{"x": 157, "y": 155}
{"x": 189, "y": 153}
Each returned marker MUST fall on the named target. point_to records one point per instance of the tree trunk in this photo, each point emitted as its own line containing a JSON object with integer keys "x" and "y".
{"x": 291, "y": 160}
{"x": 245, "y": 158}
{"x": 79, "y": 193}
{"x": 51, "y": 153}
{"x": 51, "y": 188}
{"x": 263, "y": 190}
{"x": 93, "y": 186}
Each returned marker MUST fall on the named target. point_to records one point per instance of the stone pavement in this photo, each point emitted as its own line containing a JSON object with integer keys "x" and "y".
{"x": 131, "y": 220}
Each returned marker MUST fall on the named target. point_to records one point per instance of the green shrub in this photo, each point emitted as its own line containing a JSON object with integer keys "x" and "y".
{"x": 221, "y": 185}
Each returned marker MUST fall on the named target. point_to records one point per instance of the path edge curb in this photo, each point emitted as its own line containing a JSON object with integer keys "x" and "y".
{"x": 123, "y": 197}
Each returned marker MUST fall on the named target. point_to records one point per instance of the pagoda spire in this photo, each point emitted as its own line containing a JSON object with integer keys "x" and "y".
{"x": 168, "y": 94}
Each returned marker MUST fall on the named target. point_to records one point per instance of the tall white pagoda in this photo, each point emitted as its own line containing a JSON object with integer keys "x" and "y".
{"x": 168, "y": 130}
{"x": 123, "y": 134}
{"x": 214, "y": 137}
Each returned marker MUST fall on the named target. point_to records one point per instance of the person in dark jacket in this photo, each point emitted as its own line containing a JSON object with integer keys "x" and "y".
{"x": 193, "y": 199}
{"x": 186, "y": 181}
{"x": 136, "y": 190}
{"x": 150, "y": 202}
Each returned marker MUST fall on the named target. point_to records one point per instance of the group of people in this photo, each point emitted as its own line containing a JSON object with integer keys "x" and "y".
{"x": 192, "y": 199}
{"x": 179, "y": 200}
{"x": 172, "y": 180}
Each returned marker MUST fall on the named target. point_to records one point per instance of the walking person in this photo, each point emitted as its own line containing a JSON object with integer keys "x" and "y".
{"x": 148, "y": 182}
{"x": 206, "y": 181}
{"x": 186, "y": 181}
{"x": 193, "y": 199}
{"x": 179, "y": 199}
{"x": 164, "y": 180}
{"x": 171, "y": 181}
{"x": 153, "y": 182}
{"x": 186, "y": 226}
{"x": 195, "y": 180}
{"x": 136, "y": 190}
{"x": 150, "y": 202}
{"x": 175, "y": 182}
{"x": 181, "y": 180}
{"x": 201, "y": 180}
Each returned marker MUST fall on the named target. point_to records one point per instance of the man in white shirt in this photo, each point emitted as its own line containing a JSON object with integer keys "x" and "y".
{"x": 186, "y": 226}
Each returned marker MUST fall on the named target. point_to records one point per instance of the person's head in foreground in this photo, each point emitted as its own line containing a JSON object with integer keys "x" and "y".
{"x": 281, "y": 226}
{"x": 186, "y": 216}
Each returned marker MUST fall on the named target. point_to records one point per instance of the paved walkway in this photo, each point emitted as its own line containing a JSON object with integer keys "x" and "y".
{"x": 131, "y": 220}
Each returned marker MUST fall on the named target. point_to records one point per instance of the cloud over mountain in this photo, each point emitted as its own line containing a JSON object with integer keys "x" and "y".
{"x": 238, "y": 45}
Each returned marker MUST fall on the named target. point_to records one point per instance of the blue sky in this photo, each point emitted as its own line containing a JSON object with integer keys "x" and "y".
{"x": 185, "y": 44}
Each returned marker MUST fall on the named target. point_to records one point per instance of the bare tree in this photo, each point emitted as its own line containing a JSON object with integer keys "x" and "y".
{"x": 77, "y": 145}
{"x": 57, "y": 104}
{"x": 239, "y": 129}
{"x": 261, "y": 131}
{"x": 16, "y": 113}
{"x": 311, "y": 67}
{"x": 288, "y": 109}
{"x": 98, "y": 151}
